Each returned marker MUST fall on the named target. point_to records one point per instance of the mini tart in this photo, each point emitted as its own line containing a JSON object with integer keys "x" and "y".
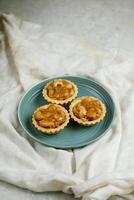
{"x": 87, "y": 110}
{"x": 60, "y": 91}
{"x": 50, "y": 118}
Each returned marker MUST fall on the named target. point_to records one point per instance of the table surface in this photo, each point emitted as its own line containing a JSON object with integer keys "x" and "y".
{"x": 109, "y": 21}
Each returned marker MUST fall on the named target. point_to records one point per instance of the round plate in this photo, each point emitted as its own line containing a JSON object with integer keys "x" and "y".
{"x": 74, "y": 135}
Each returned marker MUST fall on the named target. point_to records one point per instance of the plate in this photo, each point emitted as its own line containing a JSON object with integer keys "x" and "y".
{"x": 74, "y": 135}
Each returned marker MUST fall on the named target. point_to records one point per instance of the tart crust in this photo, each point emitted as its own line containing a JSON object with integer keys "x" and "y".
{"x": 50, "y": 131}
{"x": 87, "y": 123}
{"x": 56, "y": 101}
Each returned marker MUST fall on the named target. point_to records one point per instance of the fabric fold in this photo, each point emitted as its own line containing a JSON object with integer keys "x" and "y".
{"x": 97, "y": 171}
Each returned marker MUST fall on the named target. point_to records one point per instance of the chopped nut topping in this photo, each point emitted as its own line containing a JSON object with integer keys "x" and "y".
{"x": 88, "y": 109}
{"x": 60, "y": 90}
{"x": 50, "y": 117}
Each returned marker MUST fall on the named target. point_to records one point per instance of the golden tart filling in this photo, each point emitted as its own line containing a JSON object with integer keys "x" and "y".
{"x": 50, "y": 118}
{"x": 60, "y": 91}
{"x": 87, "y": 110}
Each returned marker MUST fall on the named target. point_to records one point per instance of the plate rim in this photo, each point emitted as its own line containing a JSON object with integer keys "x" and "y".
{"x": 67, "y": 146}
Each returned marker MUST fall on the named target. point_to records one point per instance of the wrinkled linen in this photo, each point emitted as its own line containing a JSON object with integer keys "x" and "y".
{"x": 98, "y": 171}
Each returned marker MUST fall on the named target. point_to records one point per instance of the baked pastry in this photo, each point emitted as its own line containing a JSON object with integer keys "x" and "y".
{"x": 60, "y": 91}
{"x": 87, "y": 110}
{"x": 50, "y": 118}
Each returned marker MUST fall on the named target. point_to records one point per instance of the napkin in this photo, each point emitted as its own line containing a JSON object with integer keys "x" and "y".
{"x": 28, "y": 54}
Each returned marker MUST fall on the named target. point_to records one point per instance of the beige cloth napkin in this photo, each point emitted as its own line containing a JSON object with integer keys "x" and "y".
{"x": 95, "y": 172}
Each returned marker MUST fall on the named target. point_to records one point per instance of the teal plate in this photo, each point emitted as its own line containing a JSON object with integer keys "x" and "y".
{"x": 74, "y": 135}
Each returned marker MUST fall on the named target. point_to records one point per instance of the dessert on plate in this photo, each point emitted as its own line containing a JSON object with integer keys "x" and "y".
{"x": 60, "y": 91}
{"x": 50, "y": 118}
{"x": 87, "y": 110}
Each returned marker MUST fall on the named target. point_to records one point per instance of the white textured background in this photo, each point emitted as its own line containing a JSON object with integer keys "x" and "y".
{"x": 110, "y": 23}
